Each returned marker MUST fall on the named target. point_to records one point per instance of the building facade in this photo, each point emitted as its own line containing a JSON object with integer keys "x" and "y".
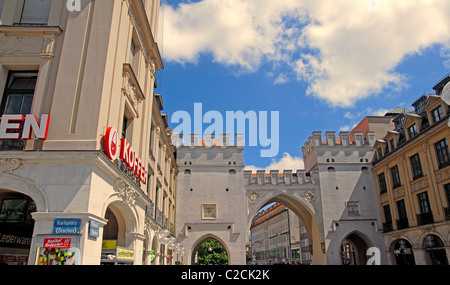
{"x": 87, "y": 166}
{"x": 276, "y": 237}
{"x": 412, "y": 173}
{"x": 333, "y": 197}
{"x": 211, "y": 200}
{"x": 347, "y": 192}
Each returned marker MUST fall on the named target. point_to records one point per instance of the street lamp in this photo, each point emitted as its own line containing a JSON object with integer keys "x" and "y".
{"x": 164, "y": 240}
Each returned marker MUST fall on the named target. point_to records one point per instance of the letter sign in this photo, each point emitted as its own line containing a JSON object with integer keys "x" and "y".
{"x": 112, "y": 143}
{"x": 30, "y": 123}
{"x": 126, "y": 154}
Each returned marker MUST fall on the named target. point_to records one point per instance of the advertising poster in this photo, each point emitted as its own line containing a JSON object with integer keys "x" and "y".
{"x": 57, "y": 251}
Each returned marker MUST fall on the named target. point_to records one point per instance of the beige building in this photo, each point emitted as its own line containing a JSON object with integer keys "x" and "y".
{"x": 87, "y": 166}
{"x": 276, "y": 237}
{"x": 412, "y": 175}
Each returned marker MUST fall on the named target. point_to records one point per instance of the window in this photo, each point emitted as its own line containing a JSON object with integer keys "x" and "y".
{"x": 380, "y": 153}
{"x": 17, "y": 99}
{"x": 424, "y": 203}
{"x": 19, "y": 92}
{"x": 387, "y": 214}
{"x": 395, "y": 177}
{"x": 133, "y": 60}
{"x": 151, "y": 139}
{"x": 426, "y": 216}
{"x": 391, "y": 142}
{"x": 416, "y": 166}
{"x": 412, "y": 131}
{"x": 132, "y": 51}
{"x": 17, "y": 210}
{"x": 156, "y": 199}
{"x": 442, "y": 153}
{"x": 124, "y": 127}
{"x": 447, "y": 193}
{"x": 35, "y": 12}
{"x": 1, "y": 8}
{"x": 148, "y": 182}
{"x": 382, "y": 180}
{"x": 402, "y": 222}
{"x": 437, "y": 114}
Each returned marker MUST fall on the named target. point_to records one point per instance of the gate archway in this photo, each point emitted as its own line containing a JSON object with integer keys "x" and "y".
{"x": 305, "y": 211}
{"x": 204, "y": 239}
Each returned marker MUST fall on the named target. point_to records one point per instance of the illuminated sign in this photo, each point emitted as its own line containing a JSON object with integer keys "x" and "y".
{"x": 25, "y": 124}
{"x": 126, "y": 153}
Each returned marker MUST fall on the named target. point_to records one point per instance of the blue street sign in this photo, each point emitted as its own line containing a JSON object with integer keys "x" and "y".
{"x": 94, "y": 228}
{"x": 67, "y": 223}
{"x": 66, "y": 230}
{"x": 66, "y": 227}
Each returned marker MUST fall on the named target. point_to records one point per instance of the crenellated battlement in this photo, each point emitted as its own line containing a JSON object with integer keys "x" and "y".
{"x": 274, "y": 177}
{"x": 344, "y": 140}
{"x": 209, "y": 141}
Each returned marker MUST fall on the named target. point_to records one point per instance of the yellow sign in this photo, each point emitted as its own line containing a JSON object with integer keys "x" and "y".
{"x": 109, "y": 244}
{"x": 123, "y": 253}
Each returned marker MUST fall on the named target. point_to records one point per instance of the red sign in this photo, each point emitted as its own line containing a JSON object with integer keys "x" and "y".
{"x": 26, "y": 124}
{"x": 127, "y": 154}
{"x": 57, "y": 243}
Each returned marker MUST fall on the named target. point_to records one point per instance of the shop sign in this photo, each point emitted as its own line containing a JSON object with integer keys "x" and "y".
{"x": 66, "y": 227}
{"x": 57, "y": 243}
{"x": 25, "y": 124}
{"x": 109, "y": 244}
{"x": 56, "y": 251}
{"x": 13, "y": 259}
{"x": 94, "y": 228}
{"x": 126, "y": 153}
{"x": 124, "y": 253}
{"x": 15, "y": 239}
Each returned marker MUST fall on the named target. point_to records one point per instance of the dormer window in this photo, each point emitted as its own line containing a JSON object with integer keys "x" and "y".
{"x": 412, "y": 131}
{"x": 380, "y": 153}
{"x": 391, "y": 143}
{"x": 437, "y": 114}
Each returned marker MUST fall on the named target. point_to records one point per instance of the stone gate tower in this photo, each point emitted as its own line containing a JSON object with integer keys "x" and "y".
{"x": 211, "y": 202}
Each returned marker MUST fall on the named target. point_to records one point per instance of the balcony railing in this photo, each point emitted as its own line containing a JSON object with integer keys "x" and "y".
{"x": 447, "y": 213}
{"x": 14, "y": 145}
{"x": 402, "y": 224}
{"x": 159, "y": 217}
{"x": 387, "y": 227}
{"x": 425, "y": 219}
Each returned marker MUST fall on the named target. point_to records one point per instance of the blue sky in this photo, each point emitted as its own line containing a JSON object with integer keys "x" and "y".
{"x": 323, "y": 65}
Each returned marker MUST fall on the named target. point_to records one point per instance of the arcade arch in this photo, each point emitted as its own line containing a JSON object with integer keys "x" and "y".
{"x": 117, "y": 233}
{"x": 16, "y": 226}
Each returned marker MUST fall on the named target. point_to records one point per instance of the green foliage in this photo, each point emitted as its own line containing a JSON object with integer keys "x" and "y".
{"x": 212, "y": 252}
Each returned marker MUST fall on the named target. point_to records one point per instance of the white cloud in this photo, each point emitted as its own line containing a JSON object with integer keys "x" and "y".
{"x": 287, "y": 162}
{"x": 343, "y": 49}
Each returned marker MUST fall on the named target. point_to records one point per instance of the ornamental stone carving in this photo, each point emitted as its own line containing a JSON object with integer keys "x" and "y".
{"x": 9, "y": 165}
{"x": 125, "y": 192}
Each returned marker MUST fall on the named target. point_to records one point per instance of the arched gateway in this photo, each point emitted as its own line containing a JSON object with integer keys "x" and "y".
{"x": 217, "y": 197}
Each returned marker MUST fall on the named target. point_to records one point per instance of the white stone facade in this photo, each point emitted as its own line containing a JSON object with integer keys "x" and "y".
{"x": 334, "y": 197}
